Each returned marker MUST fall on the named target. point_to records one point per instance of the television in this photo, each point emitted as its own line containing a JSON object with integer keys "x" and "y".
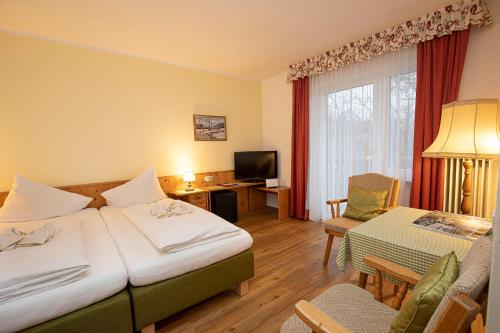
{"x": 255, "y": 165}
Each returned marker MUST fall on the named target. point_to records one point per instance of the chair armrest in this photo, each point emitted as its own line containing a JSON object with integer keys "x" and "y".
{"x": 393, "y": 269}
{"x": 317, "y": 320}
{"x": 388, "y": 209}
{"x": 459, "y": 316}
{"x": 335, "y": 201}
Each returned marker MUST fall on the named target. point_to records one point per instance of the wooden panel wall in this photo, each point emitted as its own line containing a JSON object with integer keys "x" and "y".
{"x": 168, "y": 183}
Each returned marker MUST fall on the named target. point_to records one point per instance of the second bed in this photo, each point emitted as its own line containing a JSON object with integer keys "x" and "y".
{"x": 162, "y": 284}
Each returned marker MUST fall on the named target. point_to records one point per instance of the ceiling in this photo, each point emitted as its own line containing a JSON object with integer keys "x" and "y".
{"x": 251, "y": 39}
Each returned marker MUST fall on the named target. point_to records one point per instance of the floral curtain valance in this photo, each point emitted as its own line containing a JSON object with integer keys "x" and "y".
{"x": 444, "y": 21}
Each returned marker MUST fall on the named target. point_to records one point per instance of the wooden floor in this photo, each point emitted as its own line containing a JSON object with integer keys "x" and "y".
{"x": 288, "y": 268}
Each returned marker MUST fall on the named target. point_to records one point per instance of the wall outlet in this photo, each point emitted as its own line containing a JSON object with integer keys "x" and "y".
{"x": 208, "y": 179}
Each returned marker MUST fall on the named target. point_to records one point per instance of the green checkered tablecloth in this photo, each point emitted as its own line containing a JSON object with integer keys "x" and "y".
{"x": 393, "y": 236}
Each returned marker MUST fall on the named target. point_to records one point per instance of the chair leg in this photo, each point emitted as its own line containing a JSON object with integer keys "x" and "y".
{"x": 363, "y": 277}
{"x": 378, "y": 285}
{"x": 400, "y": 295}
{"x": 328, "y": 248}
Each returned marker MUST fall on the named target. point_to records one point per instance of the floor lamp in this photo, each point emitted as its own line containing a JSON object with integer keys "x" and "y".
{"x": 469, "y": 130}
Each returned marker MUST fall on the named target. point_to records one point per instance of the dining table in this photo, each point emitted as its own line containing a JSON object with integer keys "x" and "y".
{"x": 393, "y": 236}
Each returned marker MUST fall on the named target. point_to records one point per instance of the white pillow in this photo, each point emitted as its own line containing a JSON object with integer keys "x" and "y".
{"x": 28, "y": 201}
{"x": 145, "y": 188}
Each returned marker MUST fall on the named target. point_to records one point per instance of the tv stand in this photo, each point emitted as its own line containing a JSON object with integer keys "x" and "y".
{"x": 283, "y": 194}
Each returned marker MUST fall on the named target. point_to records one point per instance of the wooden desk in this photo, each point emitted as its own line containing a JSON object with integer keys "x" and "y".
{"x": 201, "y": 196}
{"x": 283, "y": 194}
{"x": 250, "y": 197}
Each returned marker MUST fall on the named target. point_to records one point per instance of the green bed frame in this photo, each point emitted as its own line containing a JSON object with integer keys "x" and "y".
{"x": 160, "y": 300}
{"x": 140, "y": 307}
{"x": 112, "y": 314}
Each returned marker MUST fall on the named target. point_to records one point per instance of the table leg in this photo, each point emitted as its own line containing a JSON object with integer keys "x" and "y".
{"x": 363, "y": 277}
{"x": 395, "y": 288}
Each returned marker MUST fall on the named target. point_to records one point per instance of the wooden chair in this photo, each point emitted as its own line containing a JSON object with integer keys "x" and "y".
{"x": 457, "y": 318}
{"x": 338, "y": 225}
{"x": 348, "y": 308}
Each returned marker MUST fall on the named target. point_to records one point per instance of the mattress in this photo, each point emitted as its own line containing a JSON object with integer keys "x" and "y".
{"x": 107, "y": 276}
{"x": 146, "y": 265}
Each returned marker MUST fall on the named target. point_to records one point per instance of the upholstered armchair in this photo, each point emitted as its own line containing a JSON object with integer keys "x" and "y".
{"x": 338, "y": 225}
{"x": 348, "y": 308}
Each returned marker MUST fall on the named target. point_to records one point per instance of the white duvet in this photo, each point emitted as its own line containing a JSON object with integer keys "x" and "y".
{"x": 146, "y": 264}
{"x": 105, "y": 277}
{"x": 30, "y": 270}
{"x": 179, "y": 232}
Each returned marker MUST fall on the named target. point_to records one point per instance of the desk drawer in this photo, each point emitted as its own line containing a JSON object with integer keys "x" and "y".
{"x": 197, "y": 199}
{"x": 201, "y": 204}
{"x": 192, "y": 198}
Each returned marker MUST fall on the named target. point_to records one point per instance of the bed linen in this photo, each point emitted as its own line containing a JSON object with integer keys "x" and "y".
{"x": 179, "y": 232}
{"x": 30, "y": 270}
{"x": 146, "y": 264}
{"x": 105, "y": 277}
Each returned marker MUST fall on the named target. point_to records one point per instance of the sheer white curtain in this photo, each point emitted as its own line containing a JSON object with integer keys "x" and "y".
{"x": 361, "y": 120}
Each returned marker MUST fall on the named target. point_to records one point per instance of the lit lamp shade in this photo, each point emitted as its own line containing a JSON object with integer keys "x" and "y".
{"x": 469, "y": 129}
{"x": 188, "y": 176}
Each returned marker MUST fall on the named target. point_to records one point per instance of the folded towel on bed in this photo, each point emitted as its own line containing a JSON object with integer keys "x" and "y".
{"x": 179, "y": 232}
{"x": 174, "y": 208}
{"x": 14, "y": 238}
{"x": 9, "y": 238}
{"x": 32, "y": 269}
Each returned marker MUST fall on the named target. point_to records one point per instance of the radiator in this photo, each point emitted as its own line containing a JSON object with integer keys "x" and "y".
{"x": 484, "y": 186}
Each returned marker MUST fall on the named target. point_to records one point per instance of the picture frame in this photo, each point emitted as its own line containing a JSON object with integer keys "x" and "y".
{"x": 209, "y": 128}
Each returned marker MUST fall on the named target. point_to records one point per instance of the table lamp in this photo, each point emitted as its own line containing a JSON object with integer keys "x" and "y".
{"x": 189, "y": 177}
{"x": 468, "y": 130}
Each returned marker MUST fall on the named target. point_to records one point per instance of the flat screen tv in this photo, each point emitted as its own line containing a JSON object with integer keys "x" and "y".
{"x": 255, "y": 165}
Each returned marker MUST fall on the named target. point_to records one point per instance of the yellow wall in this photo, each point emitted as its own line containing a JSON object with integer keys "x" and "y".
{"x": 277, "y": 122}
{"x": 75, "y": 115}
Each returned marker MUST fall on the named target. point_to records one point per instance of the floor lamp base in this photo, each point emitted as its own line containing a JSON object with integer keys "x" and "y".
{"x": 466, "y": 206}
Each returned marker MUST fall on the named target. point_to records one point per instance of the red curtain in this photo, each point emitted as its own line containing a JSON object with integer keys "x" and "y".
{"x": 300, "y": 148}
{"x": 440, "y": 63}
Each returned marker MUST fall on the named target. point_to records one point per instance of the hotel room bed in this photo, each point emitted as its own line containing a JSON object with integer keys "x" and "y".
{"x": 97, "y": 302}
{"x": 162, "y": 284}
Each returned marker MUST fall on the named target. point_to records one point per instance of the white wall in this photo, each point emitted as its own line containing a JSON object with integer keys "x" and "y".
{"x": 277, "y": 124}
{"x": 493, "y": 322}
{"x": 481, "y": 76}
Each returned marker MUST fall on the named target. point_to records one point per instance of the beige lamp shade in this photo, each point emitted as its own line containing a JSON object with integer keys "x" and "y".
{"x": 188, "y": 176}
{"x": 468, "y": 129}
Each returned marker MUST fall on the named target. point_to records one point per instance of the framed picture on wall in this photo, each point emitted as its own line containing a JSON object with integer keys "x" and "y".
{"x": 209, "y": 128}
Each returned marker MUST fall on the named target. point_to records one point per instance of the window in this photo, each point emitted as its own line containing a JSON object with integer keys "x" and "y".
{"x": 350, "y": 119}
{"x": 361, "y": 120}
{"x": 352, "y": 127}
{"x": 403, "y": 90}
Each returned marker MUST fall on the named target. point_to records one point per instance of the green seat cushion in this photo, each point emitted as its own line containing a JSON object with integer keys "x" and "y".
{"x": 426, "y": 296}
{"x": 363, "y": 205}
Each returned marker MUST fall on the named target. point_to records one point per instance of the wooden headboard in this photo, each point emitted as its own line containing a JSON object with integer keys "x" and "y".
{"x": 168, "y": 184}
